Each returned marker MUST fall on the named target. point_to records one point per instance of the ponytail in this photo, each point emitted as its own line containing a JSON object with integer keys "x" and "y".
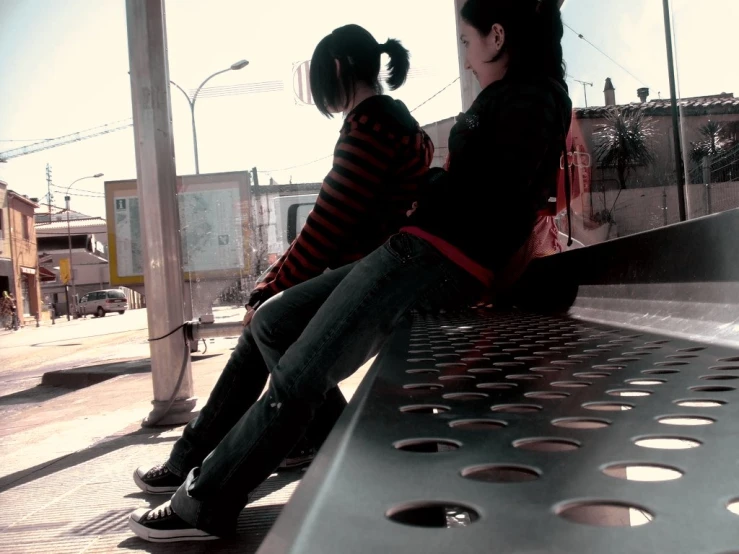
{"x": 399, "y": 64}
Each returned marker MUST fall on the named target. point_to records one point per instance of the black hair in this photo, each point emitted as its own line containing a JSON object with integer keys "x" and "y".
{"x": 533, "y": 32}
{"x": 358, "y": 54}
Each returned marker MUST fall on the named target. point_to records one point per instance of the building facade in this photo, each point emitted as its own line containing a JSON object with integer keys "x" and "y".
{"x": 19, "y": 271}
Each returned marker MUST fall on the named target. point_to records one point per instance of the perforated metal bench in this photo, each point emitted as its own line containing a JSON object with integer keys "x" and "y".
{"x": 489, "y": 431}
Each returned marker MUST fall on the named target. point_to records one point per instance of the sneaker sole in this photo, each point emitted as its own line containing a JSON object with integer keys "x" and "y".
{"x": 153, "y": 535}
{"x": 295, "y": 463}
{"x": 140, "y": 483}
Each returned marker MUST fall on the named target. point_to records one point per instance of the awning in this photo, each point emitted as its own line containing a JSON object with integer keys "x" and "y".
{"x": 46, "y": 275}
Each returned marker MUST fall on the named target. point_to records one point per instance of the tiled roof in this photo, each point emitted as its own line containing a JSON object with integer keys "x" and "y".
{"x": 55, "y": 227}
{"x": 718, "y": 104}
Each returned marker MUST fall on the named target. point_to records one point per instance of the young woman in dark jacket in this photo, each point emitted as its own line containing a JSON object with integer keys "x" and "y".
{"x": 468, "y": 227}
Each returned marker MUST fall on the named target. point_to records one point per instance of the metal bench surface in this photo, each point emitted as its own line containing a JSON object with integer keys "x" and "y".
{"x": 510, "y": 432}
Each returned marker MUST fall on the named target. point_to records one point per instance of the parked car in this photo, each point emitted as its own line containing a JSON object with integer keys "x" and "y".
{"x": 101, "y": 302}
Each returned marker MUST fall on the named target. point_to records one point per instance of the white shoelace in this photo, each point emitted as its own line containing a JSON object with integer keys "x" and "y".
{"x": 160, "y": 512}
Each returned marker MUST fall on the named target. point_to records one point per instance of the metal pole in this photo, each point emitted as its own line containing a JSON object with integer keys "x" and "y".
{"x": 195, "y": 138}
{"x": 679, "y": 169}
{"x": 157, "y": 180}
{"x": 71, "y": 270}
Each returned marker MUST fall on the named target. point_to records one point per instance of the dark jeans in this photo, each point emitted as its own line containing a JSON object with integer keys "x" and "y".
{"x": 378, "y": 291}
{"x": 281, "y": 321}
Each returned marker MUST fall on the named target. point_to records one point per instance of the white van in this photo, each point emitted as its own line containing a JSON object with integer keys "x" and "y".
{"x": 101, "y": 302}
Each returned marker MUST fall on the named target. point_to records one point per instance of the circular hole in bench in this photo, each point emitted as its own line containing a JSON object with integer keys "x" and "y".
{"x": 692, "y": 349}
{"x": 571, "y": 384}
{"x": 733, "y": 506}
{"x": 483, "y": 370}
{"x": 545, "y": 369}
{"x": 687, "y": 420}
{"x": 501, "y": 473}
{"x": 564, "y": 362}
{"x": 670, "y": 364}
{"x": 427, "y": 446}
{"x": 646, "y": 382}
{"x": 465, "y": 396}
{"x": 700, "y": 403}
{"x": 635, "y": 354}
{"x": 732, "y": 359}
{"x": 457, "y": 378}
{"x": 649, "y": 347}
{"x": 639, "y": 471}
{"x": 509, "y": 364}
{"x": 444, "y": 365}
{"x": 660, "y": 371}
{"x": 422, "y": 371}
{"x": 609, "y": 367}
{"x": 607, "y": 406}
{"x": 424, "y": 409}
{"x": 547, "y": 444}
{"x": 682, "y": 356}
{"x": 629, "y": 392}
{"x": 547, "y": 395}
{"x": 477, "y": 424}
{"x": 419, "y": 360}
{"x": 657, "y": 342}
{"x": 581, "y": 423}
{"x": 497, "y": 386}
{"x": 713, "y": 388}
{"x": 516, "y": 408}
{"x": 724, "y": 368}
{"x": 423, "y": 386}
{"x": 442, "y": 515}
{"x": 592, "y": 374}
{"x": 523, "y": 377}
{"x": 604, "y": 513}
{"x": 666, "y": 442}
{"x": 719, "y": 377}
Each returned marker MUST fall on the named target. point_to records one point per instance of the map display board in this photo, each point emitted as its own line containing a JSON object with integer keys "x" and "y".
{"x": 214, "y": 227}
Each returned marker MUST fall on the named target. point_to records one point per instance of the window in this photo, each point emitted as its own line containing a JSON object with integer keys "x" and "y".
{"x": 116, "y": 294}
{"x": 26, "y": 227}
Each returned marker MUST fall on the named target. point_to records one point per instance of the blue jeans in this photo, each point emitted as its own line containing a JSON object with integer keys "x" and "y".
{"x": 404, "y": 274}
{"x": 281, "y": 321}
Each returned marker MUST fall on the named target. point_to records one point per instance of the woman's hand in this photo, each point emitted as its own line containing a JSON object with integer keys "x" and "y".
{"x": 249, "y": 314}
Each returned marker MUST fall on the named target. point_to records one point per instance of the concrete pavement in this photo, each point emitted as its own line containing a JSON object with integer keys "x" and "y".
{"x": 66, "y": 458}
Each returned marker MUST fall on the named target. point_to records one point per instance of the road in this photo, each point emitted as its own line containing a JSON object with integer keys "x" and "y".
{"x": 27, "y": 354}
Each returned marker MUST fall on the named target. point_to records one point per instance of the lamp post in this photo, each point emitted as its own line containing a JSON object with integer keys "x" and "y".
{"x": 241, "y": 64}
{"x": 69, "y": 237}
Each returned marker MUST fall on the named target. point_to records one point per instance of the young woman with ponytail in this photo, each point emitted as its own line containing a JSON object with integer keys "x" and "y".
{"x": 470, "y": 225}
{"x": 380, "y": 159}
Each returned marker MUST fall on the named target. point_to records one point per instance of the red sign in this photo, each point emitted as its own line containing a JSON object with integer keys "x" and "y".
{"x": 301, "y": 83}
{"x": 579, "y": 162}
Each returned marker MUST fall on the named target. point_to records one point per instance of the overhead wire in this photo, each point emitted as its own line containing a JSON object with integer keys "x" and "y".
{"x": 582, "y": 37}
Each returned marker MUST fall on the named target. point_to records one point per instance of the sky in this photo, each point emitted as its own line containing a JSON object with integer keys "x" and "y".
{"x": 64, "y": 68}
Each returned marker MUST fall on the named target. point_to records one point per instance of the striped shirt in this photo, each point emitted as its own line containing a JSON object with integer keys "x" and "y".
{"x": 380, "y": 159}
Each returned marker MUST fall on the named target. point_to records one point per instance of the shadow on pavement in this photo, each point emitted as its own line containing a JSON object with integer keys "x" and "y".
{"x": 141, "y": 436}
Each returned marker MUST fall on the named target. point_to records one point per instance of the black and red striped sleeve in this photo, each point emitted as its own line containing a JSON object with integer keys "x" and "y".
{"x": 347, "y": 199}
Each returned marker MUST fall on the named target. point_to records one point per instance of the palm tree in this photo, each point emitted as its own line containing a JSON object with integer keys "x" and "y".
{"x": 712, "y": 142}
{"x": 624, "y": 142}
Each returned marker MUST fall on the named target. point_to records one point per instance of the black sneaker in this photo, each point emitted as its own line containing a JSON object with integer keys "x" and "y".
{"x": 157, "y": 479}
{"x": 163, "y": 525}
{"x": 298, "y": 459}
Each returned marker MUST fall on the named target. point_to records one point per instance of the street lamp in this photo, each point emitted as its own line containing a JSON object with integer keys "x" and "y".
{"x": 241, "y": 64}
{"x": 69, "y": 237}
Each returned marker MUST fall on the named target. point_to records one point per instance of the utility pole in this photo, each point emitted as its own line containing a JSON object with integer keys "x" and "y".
{"x": 48, "y": 186}
{"x": 584, "y": 89}
{"x": 679, "y": 169}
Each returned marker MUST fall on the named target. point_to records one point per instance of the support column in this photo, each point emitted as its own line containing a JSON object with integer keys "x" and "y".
{"x": 157, "y": 178}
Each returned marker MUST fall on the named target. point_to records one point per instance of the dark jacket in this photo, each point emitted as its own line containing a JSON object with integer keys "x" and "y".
{"x": 504, "y": 155}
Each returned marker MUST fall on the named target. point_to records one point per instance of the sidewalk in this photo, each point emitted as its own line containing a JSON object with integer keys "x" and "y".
{"x": 66, "y": 461}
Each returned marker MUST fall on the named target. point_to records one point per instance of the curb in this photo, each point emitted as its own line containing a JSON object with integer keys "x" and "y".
{"x": 81, "y": 377}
